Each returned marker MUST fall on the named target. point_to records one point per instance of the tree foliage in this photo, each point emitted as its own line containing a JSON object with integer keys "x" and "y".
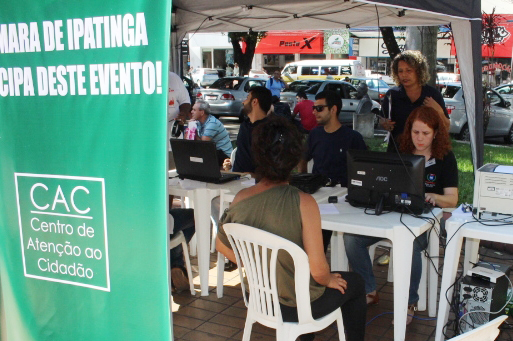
{"x": 250, "y": 39}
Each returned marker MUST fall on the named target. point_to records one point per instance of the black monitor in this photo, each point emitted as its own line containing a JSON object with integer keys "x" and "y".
{"x": 386, "y": 181}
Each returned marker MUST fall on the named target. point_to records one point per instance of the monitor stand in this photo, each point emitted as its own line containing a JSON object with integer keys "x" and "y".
{"x": 379, "y": 205}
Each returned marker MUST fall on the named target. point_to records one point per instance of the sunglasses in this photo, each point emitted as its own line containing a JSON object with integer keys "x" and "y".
{"x": 319, "y": 108}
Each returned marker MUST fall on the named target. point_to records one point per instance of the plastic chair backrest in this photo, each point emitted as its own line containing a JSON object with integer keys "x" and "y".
{"x": 309, "y": 166}
{"x": 487, "y": 332}
{"x": 232, "y": 156}
{"x": 258, "y": 251}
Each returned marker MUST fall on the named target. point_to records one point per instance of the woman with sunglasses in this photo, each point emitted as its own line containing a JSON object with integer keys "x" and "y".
{"x": 425, "y": 133}
{"x": 274, "y": 206}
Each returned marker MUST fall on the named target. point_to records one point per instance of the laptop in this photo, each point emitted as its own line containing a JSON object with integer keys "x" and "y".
{"x": 197, "y": 160}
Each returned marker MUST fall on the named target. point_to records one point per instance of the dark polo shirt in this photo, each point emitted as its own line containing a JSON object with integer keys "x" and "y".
{"x": 402, "y": 107}
{"x": 243, "y": 156}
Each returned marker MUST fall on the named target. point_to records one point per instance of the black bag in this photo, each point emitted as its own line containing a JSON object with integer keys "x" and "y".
{"x": 308, "y": 183}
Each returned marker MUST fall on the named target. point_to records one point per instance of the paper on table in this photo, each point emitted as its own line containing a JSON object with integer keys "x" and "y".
{"x": 504, "y": 169}
{"x": 328, "y": 209}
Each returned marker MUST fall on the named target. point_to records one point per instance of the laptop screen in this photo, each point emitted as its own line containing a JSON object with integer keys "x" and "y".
{"x": 195, "y": 158}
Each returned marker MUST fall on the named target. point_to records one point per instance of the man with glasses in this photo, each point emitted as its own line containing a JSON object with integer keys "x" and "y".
{"x": 276, "y": 84}
{"x": 328, "y": 143}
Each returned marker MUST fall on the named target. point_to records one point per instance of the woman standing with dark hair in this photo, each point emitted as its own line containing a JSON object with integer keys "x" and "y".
{"x": 425, "y": 133}
{"x": 410, "y": 73}
{"x": 274, "y": 206}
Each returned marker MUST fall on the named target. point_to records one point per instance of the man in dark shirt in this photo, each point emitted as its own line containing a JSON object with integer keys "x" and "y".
{"x": 328, "y": 143}
{"x": 256, "y": 106}
{"x": 281, "y": 108}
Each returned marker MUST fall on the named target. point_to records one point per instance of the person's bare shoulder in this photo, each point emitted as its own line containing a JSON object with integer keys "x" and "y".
{"x": 306, "y": 200}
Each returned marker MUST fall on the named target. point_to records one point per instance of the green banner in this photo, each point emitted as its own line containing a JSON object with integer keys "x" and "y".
{"x": 83, "y": 204}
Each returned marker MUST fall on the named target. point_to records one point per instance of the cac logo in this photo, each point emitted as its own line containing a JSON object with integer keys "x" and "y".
{"x": 431, "y": 177}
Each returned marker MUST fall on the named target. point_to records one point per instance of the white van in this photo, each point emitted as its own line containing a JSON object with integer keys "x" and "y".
{"x": 337, "y": 69}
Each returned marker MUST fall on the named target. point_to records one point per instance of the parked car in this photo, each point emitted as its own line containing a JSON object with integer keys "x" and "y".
{"x": 191, "y": 87}
{"x": 387, "y": 79}
{"x": 301, "y": 85}
{"x": 344, "y": 89}
{"x": 377, "y": 87}
{"x": 447, "y": 77}
{"x": 258, "y": 74}
{"x": 506, "y": 91}
{"x": 226, "y": 95}
{"x": 204, "y": 77}
{"x": 501, "y": 115}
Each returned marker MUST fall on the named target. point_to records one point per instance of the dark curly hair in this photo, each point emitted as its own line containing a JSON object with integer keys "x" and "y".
{"x": 414, "y": 59}
{"x": 441, "y": 144}
{"x": 276, "y": 148}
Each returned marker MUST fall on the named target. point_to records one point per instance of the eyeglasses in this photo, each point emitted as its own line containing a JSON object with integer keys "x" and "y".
{"x": 319, "y": 108}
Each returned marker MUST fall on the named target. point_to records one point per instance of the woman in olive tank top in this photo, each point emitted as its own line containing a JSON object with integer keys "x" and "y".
{"x": 274, "y": 206}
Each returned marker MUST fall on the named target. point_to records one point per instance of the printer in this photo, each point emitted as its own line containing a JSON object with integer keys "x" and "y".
{"x": 493, "y": 190}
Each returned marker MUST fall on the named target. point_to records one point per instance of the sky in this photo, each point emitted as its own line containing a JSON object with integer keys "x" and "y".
{"x": 501, "y": 6}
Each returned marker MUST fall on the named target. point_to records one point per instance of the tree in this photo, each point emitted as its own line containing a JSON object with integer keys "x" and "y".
{"x": 244, "y": 44}
{"x": 390, "y": 42}
{"x": 424, "y": 39}
{"x": 489, "y": 35}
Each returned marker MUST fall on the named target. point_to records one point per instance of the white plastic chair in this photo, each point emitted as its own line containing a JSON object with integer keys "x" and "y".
{"x": 178, "y": 239}
{"x": 309, "y": 166}
{"x": 487, "y": 332}
{"x": 258, "y": 250}
{"x": 232, "y": 156}
{"x": 372, "y": 252}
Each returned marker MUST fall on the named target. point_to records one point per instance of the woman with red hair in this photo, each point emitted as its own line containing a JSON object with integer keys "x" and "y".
{"x": 425, "y": 133}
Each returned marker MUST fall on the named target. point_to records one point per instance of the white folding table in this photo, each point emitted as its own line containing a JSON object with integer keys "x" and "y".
{"x": 457, "y": 229}
{"x": 201, "y": 199}
{"x": 354, "y": 220}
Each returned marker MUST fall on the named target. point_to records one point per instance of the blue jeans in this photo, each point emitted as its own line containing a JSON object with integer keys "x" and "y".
{"x": 358, "y": 255}
{"x": 184, "y": 221}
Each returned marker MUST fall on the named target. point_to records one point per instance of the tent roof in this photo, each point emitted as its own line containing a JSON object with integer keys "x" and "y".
{"x": 268, "y": 15}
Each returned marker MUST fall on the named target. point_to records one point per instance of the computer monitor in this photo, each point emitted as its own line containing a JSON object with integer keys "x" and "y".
{"x": 386, "y": 181}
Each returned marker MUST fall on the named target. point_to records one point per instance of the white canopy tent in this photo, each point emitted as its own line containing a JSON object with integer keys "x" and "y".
{"x": 267, "y": 15}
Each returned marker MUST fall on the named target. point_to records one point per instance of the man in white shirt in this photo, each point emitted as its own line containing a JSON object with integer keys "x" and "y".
{"x": 178, "y": 107}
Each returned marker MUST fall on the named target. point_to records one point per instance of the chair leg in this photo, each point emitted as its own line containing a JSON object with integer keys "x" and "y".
{"x": 372, "y": 252}
{"x": 340, "y": 327}
{"x": 220, "y": 274}
{"x": 188, "y": 266}
{"x": 214, "y": 234}
{"x": 194, "y": 246}
{"x": 247, "y": 329}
